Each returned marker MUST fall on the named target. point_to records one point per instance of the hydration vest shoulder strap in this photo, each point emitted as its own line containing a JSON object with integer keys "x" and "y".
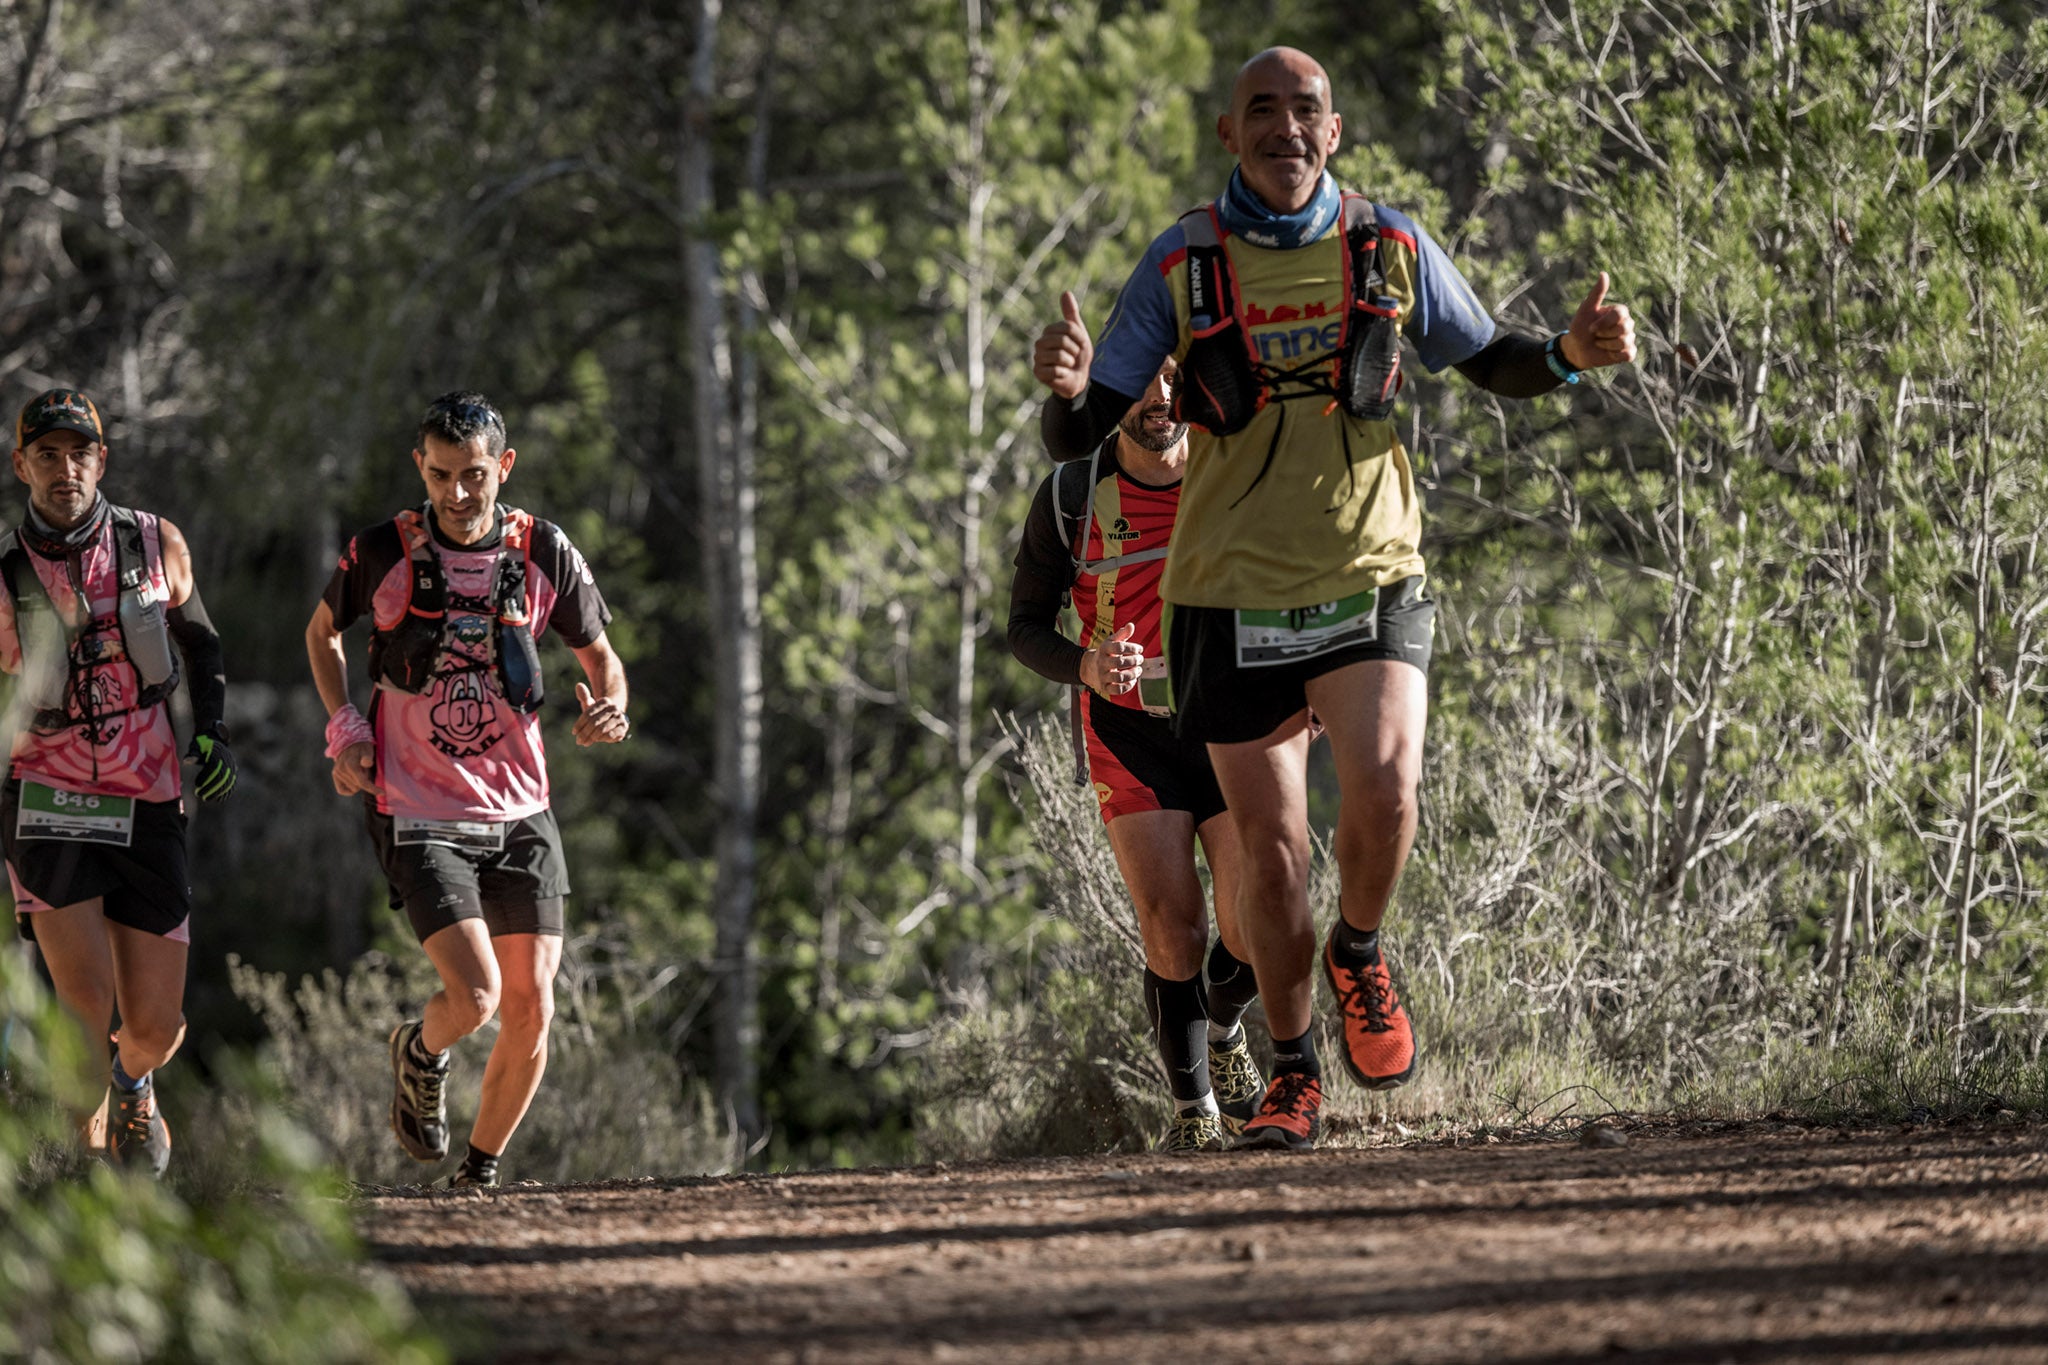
{"x": 13, "y": 559}
{"x": 131, "y": 556}
{"x": 1212, "y": 286}
{"x": 515, "y": 571}
{"x": 426, "y": 587}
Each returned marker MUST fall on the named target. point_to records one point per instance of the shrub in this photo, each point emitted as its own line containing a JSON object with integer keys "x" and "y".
{"x": 105, "y": 1266}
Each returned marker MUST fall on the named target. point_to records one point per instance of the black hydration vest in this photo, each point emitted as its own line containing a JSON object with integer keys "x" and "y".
{"x": 1224, "y": 384}
{"x": 410, "y": 655}
{"x": 52, "y": 647}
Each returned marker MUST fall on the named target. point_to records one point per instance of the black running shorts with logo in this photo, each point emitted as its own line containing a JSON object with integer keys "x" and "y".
{"x": 516, "y": 890}
{"x": 1217, "y": 702}
{"x": 1135, "y": 763}
{"x": 146, "y": 886}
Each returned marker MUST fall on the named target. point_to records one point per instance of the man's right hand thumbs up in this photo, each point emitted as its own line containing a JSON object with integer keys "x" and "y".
{"x": 1063, "y": 353}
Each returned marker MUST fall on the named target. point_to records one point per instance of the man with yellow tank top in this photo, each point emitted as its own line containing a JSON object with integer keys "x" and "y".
{"x": 1296, "y": 574}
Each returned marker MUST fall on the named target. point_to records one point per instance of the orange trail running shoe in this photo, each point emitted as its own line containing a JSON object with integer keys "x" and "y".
{"x": 1379, "y": 1044}
{"x": 1288, "y": 1116}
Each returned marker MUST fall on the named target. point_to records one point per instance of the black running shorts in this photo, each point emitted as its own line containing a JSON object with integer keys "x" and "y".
{"x": 146, "y": 886}
{"x": 1218, "y": 702}
{"x": 1136, "y": 764}
{"x": 516, "y": 890}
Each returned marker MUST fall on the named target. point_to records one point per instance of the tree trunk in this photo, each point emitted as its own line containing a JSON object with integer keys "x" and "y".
{"x": 726, "y": 494}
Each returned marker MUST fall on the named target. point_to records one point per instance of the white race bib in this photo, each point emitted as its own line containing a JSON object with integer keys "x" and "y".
{"x": 472, "y": 836}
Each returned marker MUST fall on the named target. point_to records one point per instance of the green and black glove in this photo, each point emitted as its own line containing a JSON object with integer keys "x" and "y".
{"x": 216, "y": 776}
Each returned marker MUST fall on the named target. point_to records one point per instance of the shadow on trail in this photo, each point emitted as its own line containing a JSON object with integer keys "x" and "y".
{"x": 909, "y": 1230}
{"x": 991, "y": 1314}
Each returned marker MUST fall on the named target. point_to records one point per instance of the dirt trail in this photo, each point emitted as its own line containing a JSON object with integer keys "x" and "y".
{"x": 1691, "y": 1243}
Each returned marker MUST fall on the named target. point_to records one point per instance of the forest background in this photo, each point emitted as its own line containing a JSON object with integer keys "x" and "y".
{"x": 1734, "y": 744}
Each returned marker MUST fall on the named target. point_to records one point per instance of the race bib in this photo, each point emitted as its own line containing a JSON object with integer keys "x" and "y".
{"x": 1265, "y": 638}
{"x": 82, "y": 817}
{"x": 1155, "y": 695}
{"x": 471, "y": 836}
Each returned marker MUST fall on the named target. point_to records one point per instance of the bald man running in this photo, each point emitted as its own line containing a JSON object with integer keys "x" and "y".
{"x": 1296, "y": 574}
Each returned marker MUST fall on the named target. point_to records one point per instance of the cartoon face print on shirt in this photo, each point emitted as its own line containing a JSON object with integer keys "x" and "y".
{"x": 464, "y": 711}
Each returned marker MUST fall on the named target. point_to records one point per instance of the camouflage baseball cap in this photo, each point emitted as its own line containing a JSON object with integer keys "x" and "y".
{"x": 58, "y": 410}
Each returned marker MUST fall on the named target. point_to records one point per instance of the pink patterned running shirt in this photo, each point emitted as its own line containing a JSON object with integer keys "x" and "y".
{"x": 125, "y": 752}
{"x": 458, "y": 751}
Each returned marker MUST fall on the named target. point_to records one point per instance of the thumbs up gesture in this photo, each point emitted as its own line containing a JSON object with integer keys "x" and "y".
{"x": 602, "y": 722}
{"x": 1601, "y": 333}
{"x": 1063, "y": 352}
{"x": 1112, "y": 667}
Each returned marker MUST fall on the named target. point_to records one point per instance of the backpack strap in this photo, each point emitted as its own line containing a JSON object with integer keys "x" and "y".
{"x": 1111, "y": 562}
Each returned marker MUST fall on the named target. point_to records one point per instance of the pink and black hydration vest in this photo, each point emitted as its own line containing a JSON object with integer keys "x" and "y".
{"x": 84, "y": 631}
{"x": 452, "y": 656}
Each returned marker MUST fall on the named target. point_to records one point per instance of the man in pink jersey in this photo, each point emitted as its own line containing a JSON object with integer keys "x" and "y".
{"x": 451, "y": 759}
{"x": 92, "y": 817}
{"x": 1097, "y": 533}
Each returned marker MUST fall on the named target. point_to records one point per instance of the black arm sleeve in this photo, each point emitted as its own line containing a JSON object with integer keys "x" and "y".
{"x": 205, "y": 666}
{"x": 1072, "y": 430}
{"x": 1045, "y": 570}
{"x": 1511, "y": 366}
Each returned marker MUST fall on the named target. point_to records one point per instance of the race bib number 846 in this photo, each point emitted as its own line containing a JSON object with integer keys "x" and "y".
{"x": 83, "y": 817}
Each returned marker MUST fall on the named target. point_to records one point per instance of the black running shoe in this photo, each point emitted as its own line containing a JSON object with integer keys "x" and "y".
{"x": 463, "y": 1179}
{"x": 137, "y": 1135}
{"x": 419, "y": 1110}
{"x": 1235, "y": 1077}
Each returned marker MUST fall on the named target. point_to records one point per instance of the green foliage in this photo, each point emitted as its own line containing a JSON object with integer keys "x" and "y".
{"x": 100, "y": 1265}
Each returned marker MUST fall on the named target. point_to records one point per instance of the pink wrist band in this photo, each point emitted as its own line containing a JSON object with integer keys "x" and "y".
{"x": 346, "y": 727}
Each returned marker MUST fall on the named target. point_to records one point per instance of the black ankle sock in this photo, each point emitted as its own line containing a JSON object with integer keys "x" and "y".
{"x": 479, "y": 1164}
{"x": 1297, "y": 1054}
{"x": 1232, "y": 988}
{"x": 1182, "y": 1029}
{"x": 1358, "y": 945}
{"x": 418, "y": 1048}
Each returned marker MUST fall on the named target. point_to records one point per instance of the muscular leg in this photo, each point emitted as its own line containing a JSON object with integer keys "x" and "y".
{"x": 1221, "y": 846}
{"x": 1265, "y": 782}
{"x": 149, "y": 984}
{"x": 1155, "y": 851}
{"x": 73, "y": 942}
{"x": 1375, "y": 713}
{"x": 470, "y": 984}
{"x": 528, "y": 963}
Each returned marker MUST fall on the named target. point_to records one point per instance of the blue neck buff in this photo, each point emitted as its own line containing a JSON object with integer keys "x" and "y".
{"x": 1246, "y": 216}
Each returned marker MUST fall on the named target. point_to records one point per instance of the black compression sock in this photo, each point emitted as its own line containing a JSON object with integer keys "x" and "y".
{"x": 1355, "y": 945}
{"x": 1297, "y": 1054}
{"x": 1182, "y": 1030}
{"x": 1232, "y": 988}
{"x": 480, "y": 1165}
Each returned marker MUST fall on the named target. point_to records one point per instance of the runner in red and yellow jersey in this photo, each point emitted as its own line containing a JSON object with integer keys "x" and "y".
{"x": 1097, "y": 533}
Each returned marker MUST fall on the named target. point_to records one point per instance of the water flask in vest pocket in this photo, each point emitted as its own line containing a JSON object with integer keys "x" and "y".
{"x": 519, "y": 668}
{"x": 1372, "y": 359}
{"x": 144, "y": 634}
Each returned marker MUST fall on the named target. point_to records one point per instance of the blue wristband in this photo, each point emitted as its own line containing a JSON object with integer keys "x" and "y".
{"x": 1554, "y": 358}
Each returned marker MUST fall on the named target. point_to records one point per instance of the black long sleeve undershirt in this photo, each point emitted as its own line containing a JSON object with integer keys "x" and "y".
{"x": 205, "y": 664}
{"x": 1510, "y": 365}
{"x": 1045, "y": 571}
{"x": 1071, "y": 430}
